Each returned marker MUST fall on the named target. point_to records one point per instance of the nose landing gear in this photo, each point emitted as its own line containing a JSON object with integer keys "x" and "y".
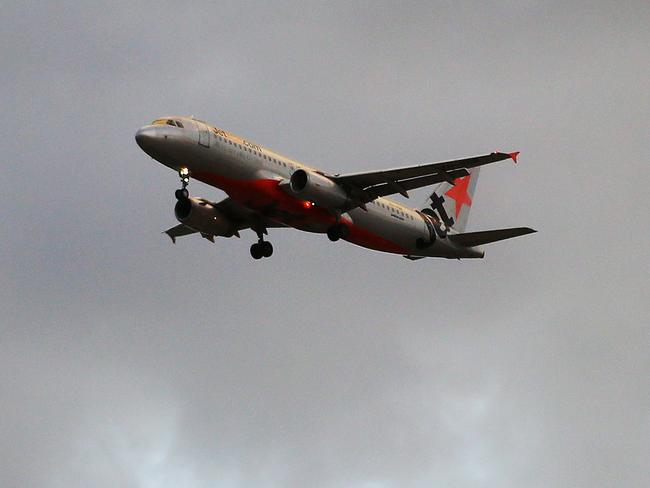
{"x": 183, "y": 193}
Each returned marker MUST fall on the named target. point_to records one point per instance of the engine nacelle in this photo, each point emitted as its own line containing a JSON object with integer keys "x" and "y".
{"x": 203, "y": 217}
{"x": 318, "y": 189}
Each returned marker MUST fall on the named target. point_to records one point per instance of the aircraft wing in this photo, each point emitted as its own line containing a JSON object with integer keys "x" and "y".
{"x": 372, "y": 184}
{"x": 242, "y": 218}
{"x": 179, "y": 231}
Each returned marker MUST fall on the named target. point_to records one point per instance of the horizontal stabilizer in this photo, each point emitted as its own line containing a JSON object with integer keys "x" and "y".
{"x": 471, "y": 239}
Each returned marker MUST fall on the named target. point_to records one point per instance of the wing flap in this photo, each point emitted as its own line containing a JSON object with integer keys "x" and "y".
{"x": 402, "y": 186}
{"x": 471, "y": 239}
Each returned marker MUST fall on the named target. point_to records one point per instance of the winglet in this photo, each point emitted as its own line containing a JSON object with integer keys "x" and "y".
{"x": 514, "y": 156}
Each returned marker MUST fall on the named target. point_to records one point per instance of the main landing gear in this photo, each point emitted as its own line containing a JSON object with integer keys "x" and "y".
{"x": 262, "y": 248}
{"x": 183, "y": 193}
{"x": 338, "y": 231}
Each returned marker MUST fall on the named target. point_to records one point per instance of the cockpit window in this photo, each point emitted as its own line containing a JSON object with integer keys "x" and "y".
{"x": 174, "y": 123}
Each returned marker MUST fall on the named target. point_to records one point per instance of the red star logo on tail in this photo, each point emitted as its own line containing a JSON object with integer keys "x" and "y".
{"x": 459, "y": 193}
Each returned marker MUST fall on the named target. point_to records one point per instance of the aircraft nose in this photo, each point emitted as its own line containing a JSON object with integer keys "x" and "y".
{"x": 145, "y": 137}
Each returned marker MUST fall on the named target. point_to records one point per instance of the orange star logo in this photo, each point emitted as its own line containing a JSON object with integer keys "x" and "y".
{"x": 458, "y": 192}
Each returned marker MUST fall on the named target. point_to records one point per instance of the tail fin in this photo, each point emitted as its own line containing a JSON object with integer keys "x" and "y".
{"x": 453, "y": 202}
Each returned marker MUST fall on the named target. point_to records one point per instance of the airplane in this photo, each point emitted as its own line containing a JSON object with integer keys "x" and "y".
{"x": 267, "y": 190}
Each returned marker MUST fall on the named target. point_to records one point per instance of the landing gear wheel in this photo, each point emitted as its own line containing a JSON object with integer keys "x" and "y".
{"x": 257, "y": 251}
{"x": 337, "y": 232}
{"x": 267, "y": 249}
{"x": 333, "y": 234}
{"x": 261, "y": 249}
{"x": 182, "y": 194}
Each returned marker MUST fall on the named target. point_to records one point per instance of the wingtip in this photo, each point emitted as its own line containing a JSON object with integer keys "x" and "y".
{"x": 170, "y": 236}
{"x": 514, "y": 155}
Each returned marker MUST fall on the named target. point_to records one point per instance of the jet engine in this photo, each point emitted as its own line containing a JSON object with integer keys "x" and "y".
{"x": 202, "y": 216}
{"x": 317, "y": 188}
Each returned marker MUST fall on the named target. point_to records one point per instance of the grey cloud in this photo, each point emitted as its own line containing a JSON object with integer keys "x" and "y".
{"x": 127, "y": 361}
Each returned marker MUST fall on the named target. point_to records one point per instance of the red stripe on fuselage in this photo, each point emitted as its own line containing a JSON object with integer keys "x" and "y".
{"x": 365, "y": 238}
{"x": 265, "y": 196}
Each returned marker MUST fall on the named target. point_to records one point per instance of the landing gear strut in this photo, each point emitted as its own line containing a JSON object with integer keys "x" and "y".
{"x": 183, "y": 193}
{"x": 262, "y": 248}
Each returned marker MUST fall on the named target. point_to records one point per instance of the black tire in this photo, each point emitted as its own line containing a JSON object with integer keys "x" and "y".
{"x": 344, "y": 231}
{"x": 267, "y": 249}
{"x": 333, "y": 233}
{"x": 256, "y": 251}
{"x": 182, "y": 194}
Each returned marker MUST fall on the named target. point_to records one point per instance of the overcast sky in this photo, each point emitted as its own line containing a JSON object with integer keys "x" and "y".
{"x": 128, "y": 361}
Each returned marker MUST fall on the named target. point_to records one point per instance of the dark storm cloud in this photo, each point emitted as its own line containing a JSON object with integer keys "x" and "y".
{"x": 128, "y": 361}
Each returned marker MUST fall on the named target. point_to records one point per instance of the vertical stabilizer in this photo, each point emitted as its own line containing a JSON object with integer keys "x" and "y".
{"x": 454, "y": 202}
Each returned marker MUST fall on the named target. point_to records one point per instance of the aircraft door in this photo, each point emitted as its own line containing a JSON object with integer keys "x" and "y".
{"x": 204, "y": 134}
{"x": 430, "y": 225}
